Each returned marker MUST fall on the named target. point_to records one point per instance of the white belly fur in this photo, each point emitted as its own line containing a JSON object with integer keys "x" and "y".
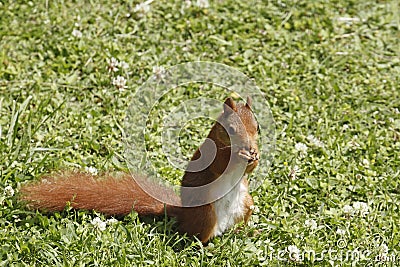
{"x": 230, "y": 208}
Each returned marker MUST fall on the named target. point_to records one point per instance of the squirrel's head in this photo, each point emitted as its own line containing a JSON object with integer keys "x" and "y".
{"x": 238, "y": 129}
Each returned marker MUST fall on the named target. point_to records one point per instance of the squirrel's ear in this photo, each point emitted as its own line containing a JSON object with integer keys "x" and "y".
{"x": 229, "y": 105}
{"x": 248, "y": 102}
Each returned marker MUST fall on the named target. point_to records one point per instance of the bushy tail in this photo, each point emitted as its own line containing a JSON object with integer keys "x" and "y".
{"x": 105, "y": 194}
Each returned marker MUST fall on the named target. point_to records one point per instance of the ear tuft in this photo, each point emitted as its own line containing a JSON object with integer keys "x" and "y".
{"x": 248, "y": 102}
{"x": 229, "y": 106}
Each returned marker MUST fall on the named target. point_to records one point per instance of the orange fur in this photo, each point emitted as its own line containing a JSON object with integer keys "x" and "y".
{"x": 201, "y": 221}
{"x": 106, "y": 194}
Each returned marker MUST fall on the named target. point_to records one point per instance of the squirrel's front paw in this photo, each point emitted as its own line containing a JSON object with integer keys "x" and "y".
{"x": 251, "y": 156}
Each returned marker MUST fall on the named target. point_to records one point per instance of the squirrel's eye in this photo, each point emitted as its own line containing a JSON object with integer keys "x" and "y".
{"x": 231, "y": 130}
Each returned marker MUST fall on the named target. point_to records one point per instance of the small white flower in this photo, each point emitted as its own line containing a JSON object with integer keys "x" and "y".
{"x": 113, "y": 64}
{"x": 301, "y": 148}
{"x": 91, "y": 170}
{"x": 143, "y": 8}
{"x": 77, "y": 33}
{"x": 9, "y": 191}
{"x": 202, "y": 4}
{"x": 159, "y": 72}
{"x": 294, "y": 253}
{"x": 396, "y": 111}
{"x": 254, "y": 208}
{"x": 353, "y": 145}
{"x": 99, "y": 224}
{"x": 188, "y": 3}
{"x": 384, "y": 248}
{"x": 315, "y": 141}
{"x": 112, "y": 221}
{"x": 365, "y": 162}
{"x": 120, "y": 83}
{"x": 294, "y": 172}
{"x": 361, "y": 208}
{"x": 311, "y": 223}
{"x": 340, "y": 231}
{"x": 347, "y": 209}
{"x": 345, "y": 127}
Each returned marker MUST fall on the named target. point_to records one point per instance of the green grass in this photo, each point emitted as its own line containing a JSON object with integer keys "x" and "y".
{"x": 323, "y": 76}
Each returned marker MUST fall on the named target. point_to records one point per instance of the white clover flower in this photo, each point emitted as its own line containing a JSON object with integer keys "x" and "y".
{"x": 294, "y": 253}
{"x": 353, "y": 145}
{"x": 361, "y": 208}
{"x": 315, "y": 141}
{"x": 345, "y": 127}
{"x": 143, "y": 8}
{"x": 77, "y": 33}
{"x": 254, "y": 208}
{"x": 91, "y": 170}
{"x": 301, "y": 148}
{"x": 311, "y": 223}
{"x": 113, "y": 64}
{"x": 294, "y": 172}
{"x": 384, "y": 248}
{"x": 340, "y": 231}
{"x": 9, "y": 191}
{"x": 188, "y": 3}
{"x": 202, "y": 4}
{"x": 99, "y": 224}
{"x": 365, "y": 163}
{"x": 120, "y": 83}
{"x": 159, "y": 72}
{"x": 347, "y": 209}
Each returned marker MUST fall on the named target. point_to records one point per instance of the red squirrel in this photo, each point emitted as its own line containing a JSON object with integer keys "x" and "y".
{"x": 235, "y": 137}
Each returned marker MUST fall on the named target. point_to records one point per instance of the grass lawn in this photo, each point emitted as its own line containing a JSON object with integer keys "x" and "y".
{"x": 330, "y": 71}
